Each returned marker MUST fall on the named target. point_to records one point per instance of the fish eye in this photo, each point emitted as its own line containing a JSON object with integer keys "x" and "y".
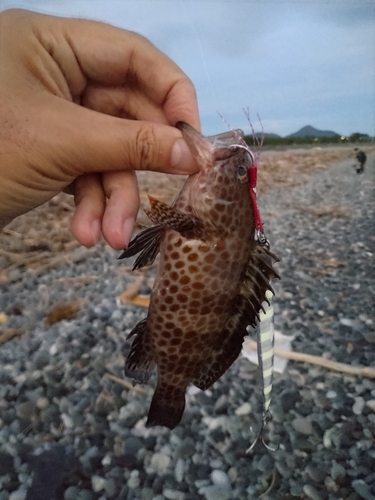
{"x": 243, "y": 174}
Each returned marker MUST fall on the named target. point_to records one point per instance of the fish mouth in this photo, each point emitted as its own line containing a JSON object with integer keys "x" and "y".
{"x": 207, "y": 150}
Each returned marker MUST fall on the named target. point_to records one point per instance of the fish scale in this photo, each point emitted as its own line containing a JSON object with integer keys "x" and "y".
{"x": 212, "y": 276}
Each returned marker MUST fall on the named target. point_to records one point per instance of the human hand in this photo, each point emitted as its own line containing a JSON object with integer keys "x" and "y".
{"x": 82, "y": 105}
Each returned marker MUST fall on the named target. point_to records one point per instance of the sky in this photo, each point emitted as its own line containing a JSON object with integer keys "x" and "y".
{"x": 293, "y": 63}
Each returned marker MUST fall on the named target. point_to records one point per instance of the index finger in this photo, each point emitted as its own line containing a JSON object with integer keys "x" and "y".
{"x": 113, "y": 56}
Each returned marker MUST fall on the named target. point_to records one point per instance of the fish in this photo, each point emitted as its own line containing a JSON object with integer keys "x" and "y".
{"x": 214, "y": 272}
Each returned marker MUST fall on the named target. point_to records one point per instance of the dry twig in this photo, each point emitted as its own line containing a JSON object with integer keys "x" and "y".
{"x": 126, "y": 384}
{"x": 359, "y": 371}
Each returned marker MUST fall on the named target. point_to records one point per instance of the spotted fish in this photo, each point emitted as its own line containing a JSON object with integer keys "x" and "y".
{"x": 212, "y": 278}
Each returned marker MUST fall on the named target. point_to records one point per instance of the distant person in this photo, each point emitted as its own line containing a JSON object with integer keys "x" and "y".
{"x": 361, "y": 157}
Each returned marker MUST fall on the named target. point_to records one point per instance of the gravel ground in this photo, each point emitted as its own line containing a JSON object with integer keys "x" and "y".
{"x": 68, "y": 431}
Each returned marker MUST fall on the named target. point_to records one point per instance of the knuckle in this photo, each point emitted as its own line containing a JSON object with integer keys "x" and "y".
{"x": 147, "y": 149}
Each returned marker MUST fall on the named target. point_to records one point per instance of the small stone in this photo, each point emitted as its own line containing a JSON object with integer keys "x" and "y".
{"x": 132, "y": 445}
{"x": 186, "y": 449}
{"x": 358, "y": 405}
{"x": 302, "y": 425}
{"x": 85, "y": 495}
{"x": 173, "y": 494}
{"x": 110, "y": 487}
{"x": 71, "y": 493}
{"x": 362, "y": 489}
{"x": 179, "y": 470}
{"x": 160, "y": 463}
{"x": 98, "y": 483}
{"x": 371, "y": 404}
{"x": 67, "y": 421}
{"x": 18, "y": 495}
{"x": 232, "y": 474}
{"x": 147, "y": 494}
{"x": 25, "y": 410}
{"x": 134, "y": 481}
{"x": 219, "y": 478}
{"x": 244, "y": 409}
{"x": 312, "y": 493}
{"x": 42, "y": 403}
{"x": 216, "y": 492}
{"x": 337, "y": 470}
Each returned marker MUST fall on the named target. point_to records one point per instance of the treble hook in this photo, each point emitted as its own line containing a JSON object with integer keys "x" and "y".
{"x": 266, "y": 417}
{"x": 247, "y": 149}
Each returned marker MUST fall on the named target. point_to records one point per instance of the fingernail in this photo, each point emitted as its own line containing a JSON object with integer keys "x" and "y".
{"x": 127, "y": 230}
{"x": 96, "y": 228}
{"x": 182, "y": 160}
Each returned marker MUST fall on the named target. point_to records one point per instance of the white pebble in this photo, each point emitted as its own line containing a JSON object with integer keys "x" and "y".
{"x": 219, "y": 478}
{"x": 179, "y": 470}
{"x": 98, "y": 483}
{"x": 134, "y": 480}
{"x": 42, "y": 403}
{"x": 67, "y": 421}
{"x": 160, "y": 463}
{"x": 358, "y": 405}
{"x": 18, "y": 495}
{"x": 244, "y": 409}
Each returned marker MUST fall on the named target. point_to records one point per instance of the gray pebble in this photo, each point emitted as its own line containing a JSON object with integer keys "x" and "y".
{"x": 215, "y": 492}
{"x": 312, "y": 493}
{"x": 302, "y": 425}
{"x": 362, "y": 489}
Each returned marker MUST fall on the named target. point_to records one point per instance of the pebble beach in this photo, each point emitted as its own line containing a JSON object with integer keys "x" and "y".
{"x": 71, "y": 426}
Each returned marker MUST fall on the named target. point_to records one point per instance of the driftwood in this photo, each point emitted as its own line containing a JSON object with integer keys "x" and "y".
{"x": 359, "y": 371}
{"x": 8, "y": 334}
{"x": 126, "y": 384}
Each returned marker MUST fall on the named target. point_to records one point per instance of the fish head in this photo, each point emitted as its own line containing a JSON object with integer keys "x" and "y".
{"x": 222, "y": 182}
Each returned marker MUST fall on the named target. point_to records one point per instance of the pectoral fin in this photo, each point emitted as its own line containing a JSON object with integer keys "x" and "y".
{"x": 148, "y": 243}
{"x": 169, "y": 217}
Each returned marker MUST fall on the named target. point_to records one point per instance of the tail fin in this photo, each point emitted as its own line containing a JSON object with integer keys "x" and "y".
{"x": 166, "y": 409}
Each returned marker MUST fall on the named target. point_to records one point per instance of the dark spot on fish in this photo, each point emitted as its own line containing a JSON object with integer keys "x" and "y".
{"x": 193, "y": 257}
{"x": 197, "y": 285}
{"x": 168, "y": 266}
{"x": 174, "y": 276}
{"x": 193, "y": 310}
{"x": 193, "y": 269}
{"x": 186, "y": 249}
{"x": 204, "y": 248}
{"x": 209, "y": 258}
{"x": 174, "y": 289}
{"x": 195, "y": 303}
{"x": 169, "y": 247}
{"x": 184, "y": 280}
{"x": 179, "y": 264}
{"x": 168, "y": 299}
{"x": 182, "y": 298}
{"x": 175, "y": 255}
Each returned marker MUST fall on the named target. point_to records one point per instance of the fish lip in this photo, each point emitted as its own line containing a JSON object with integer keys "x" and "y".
{"x": 207, "y": 150}
{"x": 201, "y": 149}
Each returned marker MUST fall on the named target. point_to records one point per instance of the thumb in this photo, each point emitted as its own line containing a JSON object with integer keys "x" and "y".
{"x": 84, "y": 141}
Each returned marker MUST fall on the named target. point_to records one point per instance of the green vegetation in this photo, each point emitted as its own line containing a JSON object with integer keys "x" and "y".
{"x": 314, "y": 141}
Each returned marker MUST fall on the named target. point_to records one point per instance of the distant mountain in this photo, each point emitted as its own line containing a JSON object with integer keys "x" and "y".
{"x": 265, "y": 135}
{"x": 310, "y": 131}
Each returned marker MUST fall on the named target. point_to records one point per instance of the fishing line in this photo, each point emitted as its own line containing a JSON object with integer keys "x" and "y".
{"x": 195, "y": 31}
